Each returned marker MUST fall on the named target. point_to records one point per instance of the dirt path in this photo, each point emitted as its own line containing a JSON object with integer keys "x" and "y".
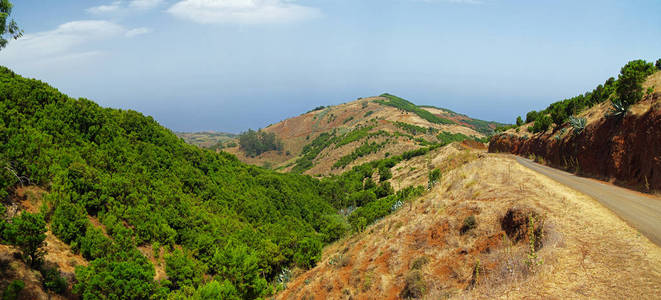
{"x": 640, "y": 211}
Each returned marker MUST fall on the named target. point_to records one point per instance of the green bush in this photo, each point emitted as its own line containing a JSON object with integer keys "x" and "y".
{"x": 28, "y": 232}
{"x": 13, "y": 289}
{"x": 53, "y": 281}
{"x": 531, "y": 116}
{"x": 384, "y": 173}
{"x": 630, "y": 81}
{"x": 519, "y": 121}
{"x": 542, "y": 124}
{"x": 240, "y": 267}
{"x": 658, "y": 64}
{"x": 69, "y": 221}
{"x": 254, "y": 143}
{"x": 404, "y": 105}
{"x": 183, "y": 270}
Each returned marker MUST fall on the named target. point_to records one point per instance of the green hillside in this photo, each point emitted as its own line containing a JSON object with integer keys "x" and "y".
{"x": 239, "y": 224}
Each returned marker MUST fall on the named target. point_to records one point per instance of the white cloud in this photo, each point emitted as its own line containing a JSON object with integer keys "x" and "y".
{"x": 242, "y": 11}
{"x": 138, "y": 31}
{"x": 103, "y": 9}
{"x": 67, "y": 40}
{"x": 145, "y": 4}
{"x": 124, "y": 6}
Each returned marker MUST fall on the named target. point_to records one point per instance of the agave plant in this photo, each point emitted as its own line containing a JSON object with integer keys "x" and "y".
{"x": 619, "y": 108}
{"x": 578, "y": 124}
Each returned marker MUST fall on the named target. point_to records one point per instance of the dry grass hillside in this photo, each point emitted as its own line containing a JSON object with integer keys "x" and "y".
{"x": 397, "y": 129}
{"x": 572, "y": 247}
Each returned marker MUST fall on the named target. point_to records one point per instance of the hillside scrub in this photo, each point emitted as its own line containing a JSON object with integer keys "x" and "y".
{"x": 147, "y": 186}
{"x": 254, "y": 143}
{"x": 404, "y": 105}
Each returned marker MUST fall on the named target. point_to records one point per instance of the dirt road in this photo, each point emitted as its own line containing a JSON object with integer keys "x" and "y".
{"x": 640, "y": 211}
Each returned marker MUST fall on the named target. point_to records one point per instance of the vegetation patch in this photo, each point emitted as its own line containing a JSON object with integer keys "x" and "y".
{"x": 405, "y": 105}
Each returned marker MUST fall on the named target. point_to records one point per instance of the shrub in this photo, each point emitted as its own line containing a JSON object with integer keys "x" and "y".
{"x": 629, "y": 88}
{"x": 254, "y": 143}
{"x": 53, "y": 281}
{"x": 384, "y": 173}
{"x": 69, "y": 221}
{"x": 308, "y": 252}
{"x": 519, "y": 121}
{"x": 658, "y": 64}
{"x": 531, "y": 116}
{"x": 384, "y": 189}
{"x": 419, "y": 262}
{"x": 28, "y": 232}
{"x": 415, "y": 285}
{"x": 183, "y": 270}
{"x": 468, "y": 224}
{"x": 12, "y": 290}
{"x": 542, "y": 124}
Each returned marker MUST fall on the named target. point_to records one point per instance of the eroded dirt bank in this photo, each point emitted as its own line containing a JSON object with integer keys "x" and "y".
{"x": 627, "y": 149}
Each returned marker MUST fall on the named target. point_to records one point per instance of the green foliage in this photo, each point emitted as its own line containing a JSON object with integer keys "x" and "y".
{"x": 53, "y": 281}
{"x": 183, "y": 270}
{"x": 240, "y": 267}
{"x": 384, "y": 173}
{"x": 334, "y": 228}
{"x": 627, "y": 90}
{"x": 347, "y": 120}
{"x": 434, "y": 177}
{"x": 384, "y": 190}
{"x": 404, "y": 105}
{"x": 13, "y": 289}
{"x": 214, "y": 290}
{"x": 519, "y": 121}
{"x": 414, "y": 129}
{"x": 7, "y": 27}
{"x": 365, "y": 149}
{"x": 542, "y": 123}
{"x": 531, "y": 116}
{"x": 116, "y": 278}
{"x": 447, "y": 137}
{"x": 254, "y": 143}
{"x": 308, "y": 252}
{"x": 145, "y": 185}
{"x": 28, "y": 231}
{"x": 69, "y": 222}
{"x": 658, "y": 64}
{"x": 317, "y": 108}
{"x": 380, "y": 208}
{"x": 630, "y": 81}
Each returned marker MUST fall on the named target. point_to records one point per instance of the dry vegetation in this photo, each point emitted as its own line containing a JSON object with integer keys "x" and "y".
{"x": 431, "y": 249}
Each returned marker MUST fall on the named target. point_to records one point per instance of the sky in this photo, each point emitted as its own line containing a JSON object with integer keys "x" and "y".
{"x": 230, "y": 65}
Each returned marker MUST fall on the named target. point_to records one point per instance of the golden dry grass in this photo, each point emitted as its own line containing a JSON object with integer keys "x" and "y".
{"x": 588, "y": 252}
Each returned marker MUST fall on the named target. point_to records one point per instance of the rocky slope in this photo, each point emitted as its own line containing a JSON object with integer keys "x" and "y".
{"x": 624, "y": 150}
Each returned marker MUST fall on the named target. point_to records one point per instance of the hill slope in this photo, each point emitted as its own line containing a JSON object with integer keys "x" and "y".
{"x": 491, "y": 229}
{"x": 121, "y": 190}
{"x": 330, "y": 140}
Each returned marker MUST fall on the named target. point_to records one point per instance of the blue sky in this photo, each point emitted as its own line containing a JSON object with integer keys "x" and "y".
{"x": 229, "y": 65}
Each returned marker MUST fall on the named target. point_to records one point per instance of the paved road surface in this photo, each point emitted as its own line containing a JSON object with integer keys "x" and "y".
{"x": 640, "y": 211}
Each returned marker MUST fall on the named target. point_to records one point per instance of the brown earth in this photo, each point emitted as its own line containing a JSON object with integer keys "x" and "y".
{"x": 626, "y": 151}
{"x": 582, "y": 250}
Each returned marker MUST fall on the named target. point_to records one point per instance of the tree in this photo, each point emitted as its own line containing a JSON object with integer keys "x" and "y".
{"x": 10, "y": 28}
{"x": 183, "y": 270}
{"x": 239, "y": 265}
{"x": 658, "y": 64}
{"x": 106, "y": 278}
{"x": 542, "y": 123}
{"x": 630, "y": 81}
{"x": 308, "y": 252}
{"x": 215, "y": 290}
{"x": 531, "y": 116}
{"x": 28, "y": 232}
{"x": 69, "y": 222}
{"x": 519, "y": 121}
